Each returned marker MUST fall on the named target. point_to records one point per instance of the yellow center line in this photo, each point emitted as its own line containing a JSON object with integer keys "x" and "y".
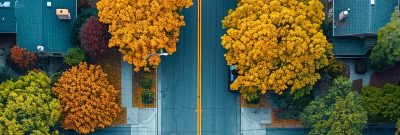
{"x": 199, "y": 62}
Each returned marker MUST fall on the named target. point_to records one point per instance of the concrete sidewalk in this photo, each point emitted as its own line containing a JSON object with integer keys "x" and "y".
{"x": 254, "y": 120}
{"x": 141, "y": 121}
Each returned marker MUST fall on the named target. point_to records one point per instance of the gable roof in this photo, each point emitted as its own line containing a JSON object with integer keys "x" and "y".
{"x": 363, "y": 18}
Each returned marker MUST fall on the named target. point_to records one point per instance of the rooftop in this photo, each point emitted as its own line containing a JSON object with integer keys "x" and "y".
{"x": 35, "y": 23}
{"x": 7, "y": 18}
{"x": 363, "y": 17}
{"x": 344, "y": 46}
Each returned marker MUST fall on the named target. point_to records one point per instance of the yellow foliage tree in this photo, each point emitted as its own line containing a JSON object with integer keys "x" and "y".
{"x": 276, "y": 44}
{"x": 141, "y": 27}
{"x": 88, "y": 100}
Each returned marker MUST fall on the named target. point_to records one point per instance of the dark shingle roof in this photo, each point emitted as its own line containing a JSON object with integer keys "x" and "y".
{"x": 36, "y": 24}
{"x": 348, "y": 46}
{"x": 363, "y": 18}
{"x": 7, "y": 25}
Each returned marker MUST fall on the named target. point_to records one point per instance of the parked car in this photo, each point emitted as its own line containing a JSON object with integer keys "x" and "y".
{"x": 233, "y": 73}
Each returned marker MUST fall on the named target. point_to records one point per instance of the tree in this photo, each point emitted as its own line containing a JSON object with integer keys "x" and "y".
{"x": 337, "y": 112}
{"x": 74, "y": 56}
{"x": 26, "y": 105}
{"x": 22, "y": 57}
{"x": 382, "y": 103}
{"x": 76, "y": 27}
{"x": 291, "y": 107}
{"x": 142, "y": 27}
{"x": 93, "y": 36}
{"x": 385, "y": 54}
{"x": 88, "y": 100}
{"x": 276, "y": 44}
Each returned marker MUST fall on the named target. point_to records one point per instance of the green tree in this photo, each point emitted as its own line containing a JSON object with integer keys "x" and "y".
{"x": 26, "y": 105}
{"x": 386, "y": 53}
{"x": 382, "y": 103}
{"x": 339, "y": 112}
{"x": 74, "y": 56}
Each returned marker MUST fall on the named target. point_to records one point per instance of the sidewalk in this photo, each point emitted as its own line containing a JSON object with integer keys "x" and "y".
{"x": 254, "y": 120}
{"x": 142, "y": 121}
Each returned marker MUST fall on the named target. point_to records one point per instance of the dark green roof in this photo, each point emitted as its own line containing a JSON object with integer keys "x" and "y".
{"x": 363, "y": 18}
{"x": 36, "y": 24}
{"x": 7, "y": 18}
{"x": 345, "y": 46}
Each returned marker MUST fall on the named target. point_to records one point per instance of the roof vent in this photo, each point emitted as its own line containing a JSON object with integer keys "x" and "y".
{"x": 343, "y": 15}
{"x": 372, "y": 2}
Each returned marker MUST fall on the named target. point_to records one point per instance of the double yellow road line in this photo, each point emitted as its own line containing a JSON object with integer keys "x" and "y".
{"x": 199, "y": 62}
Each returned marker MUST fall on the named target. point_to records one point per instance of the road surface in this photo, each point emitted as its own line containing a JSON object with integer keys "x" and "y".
{"x": 177, "y": 76}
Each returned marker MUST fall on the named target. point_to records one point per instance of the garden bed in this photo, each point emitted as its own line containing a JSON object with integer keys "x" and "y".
{"x": 276, "y": 121}
{"x": 138, "y": 90}
{"x": 110, "y": 62}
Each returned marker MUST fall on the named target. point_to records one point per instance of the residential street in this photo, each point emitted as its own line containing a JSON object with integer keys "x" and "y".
{"x": 177, "y": 77}
{"x": 177, "y": 81}
{"x": 221, "y": 109}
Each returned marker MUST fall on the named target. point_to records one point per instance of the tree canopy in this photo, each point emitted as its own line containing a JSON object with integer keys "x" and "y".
{"x": 26, "y": 105}
{"x": 382, "y": 103}
{"x": 142, "y": 27}
{"x": 88, "y": 100}
{"x": 94, "y": 37}
{"x": 276, "y": 44}
{"x": 386, "y": 53}
{"x": 336, "y": 113}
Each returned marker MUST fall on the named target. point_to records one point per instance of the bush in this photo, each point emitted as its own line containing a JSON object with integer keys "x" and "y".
{"x": 146, "y": 83}
{"x": 147, "y": 97}
{"x": 6, "y": 73}
{"x": 361, "y": 67}
{"x": 382, "y": 103}
{"x": 94, "y": 37}
{"x": 55, "y": 76}
{"x": 74, "y": 56}
{"x": 289, "y": 106}
{"x": 327, "y": 29}
{"x": 22, "y": 57}
{"x": 86, "y": 13}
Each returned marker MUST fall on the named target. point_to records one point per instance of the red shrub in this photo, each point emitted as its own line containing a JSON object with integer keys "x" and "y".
{"x": 93, "y": 37}
{"x": 22, "y": 57}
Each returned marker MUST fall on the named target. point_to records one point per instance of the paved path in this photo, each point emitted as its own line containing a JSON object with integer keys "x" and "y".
{"x": 126, "y": 84}
{"x": 139, "y": 121}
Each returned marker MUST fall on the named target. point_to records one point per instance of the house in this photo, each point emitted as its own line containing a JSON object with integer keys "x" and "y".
{"x": 356, "y": 24}
{"x": 39, "y": 24}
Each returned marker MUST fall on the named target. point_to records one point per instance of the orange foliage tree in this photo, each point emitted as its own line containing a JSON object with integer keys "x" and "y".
{"x": 88, "y": 100}
{"x": 141, "y": 27}
{"x": 22, "y": 57}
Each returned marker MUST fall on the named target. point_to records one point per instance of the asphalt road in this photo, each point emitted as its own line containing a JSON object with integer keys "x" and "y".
{"x": 177, "y": 81}
{"x": 177, "y": 76}
{"x": 221, "y": 110}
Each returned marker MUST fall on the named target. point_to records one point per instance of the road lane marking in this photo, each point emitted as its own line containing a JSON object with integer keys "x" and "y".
{"x": 199, "y": 62}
